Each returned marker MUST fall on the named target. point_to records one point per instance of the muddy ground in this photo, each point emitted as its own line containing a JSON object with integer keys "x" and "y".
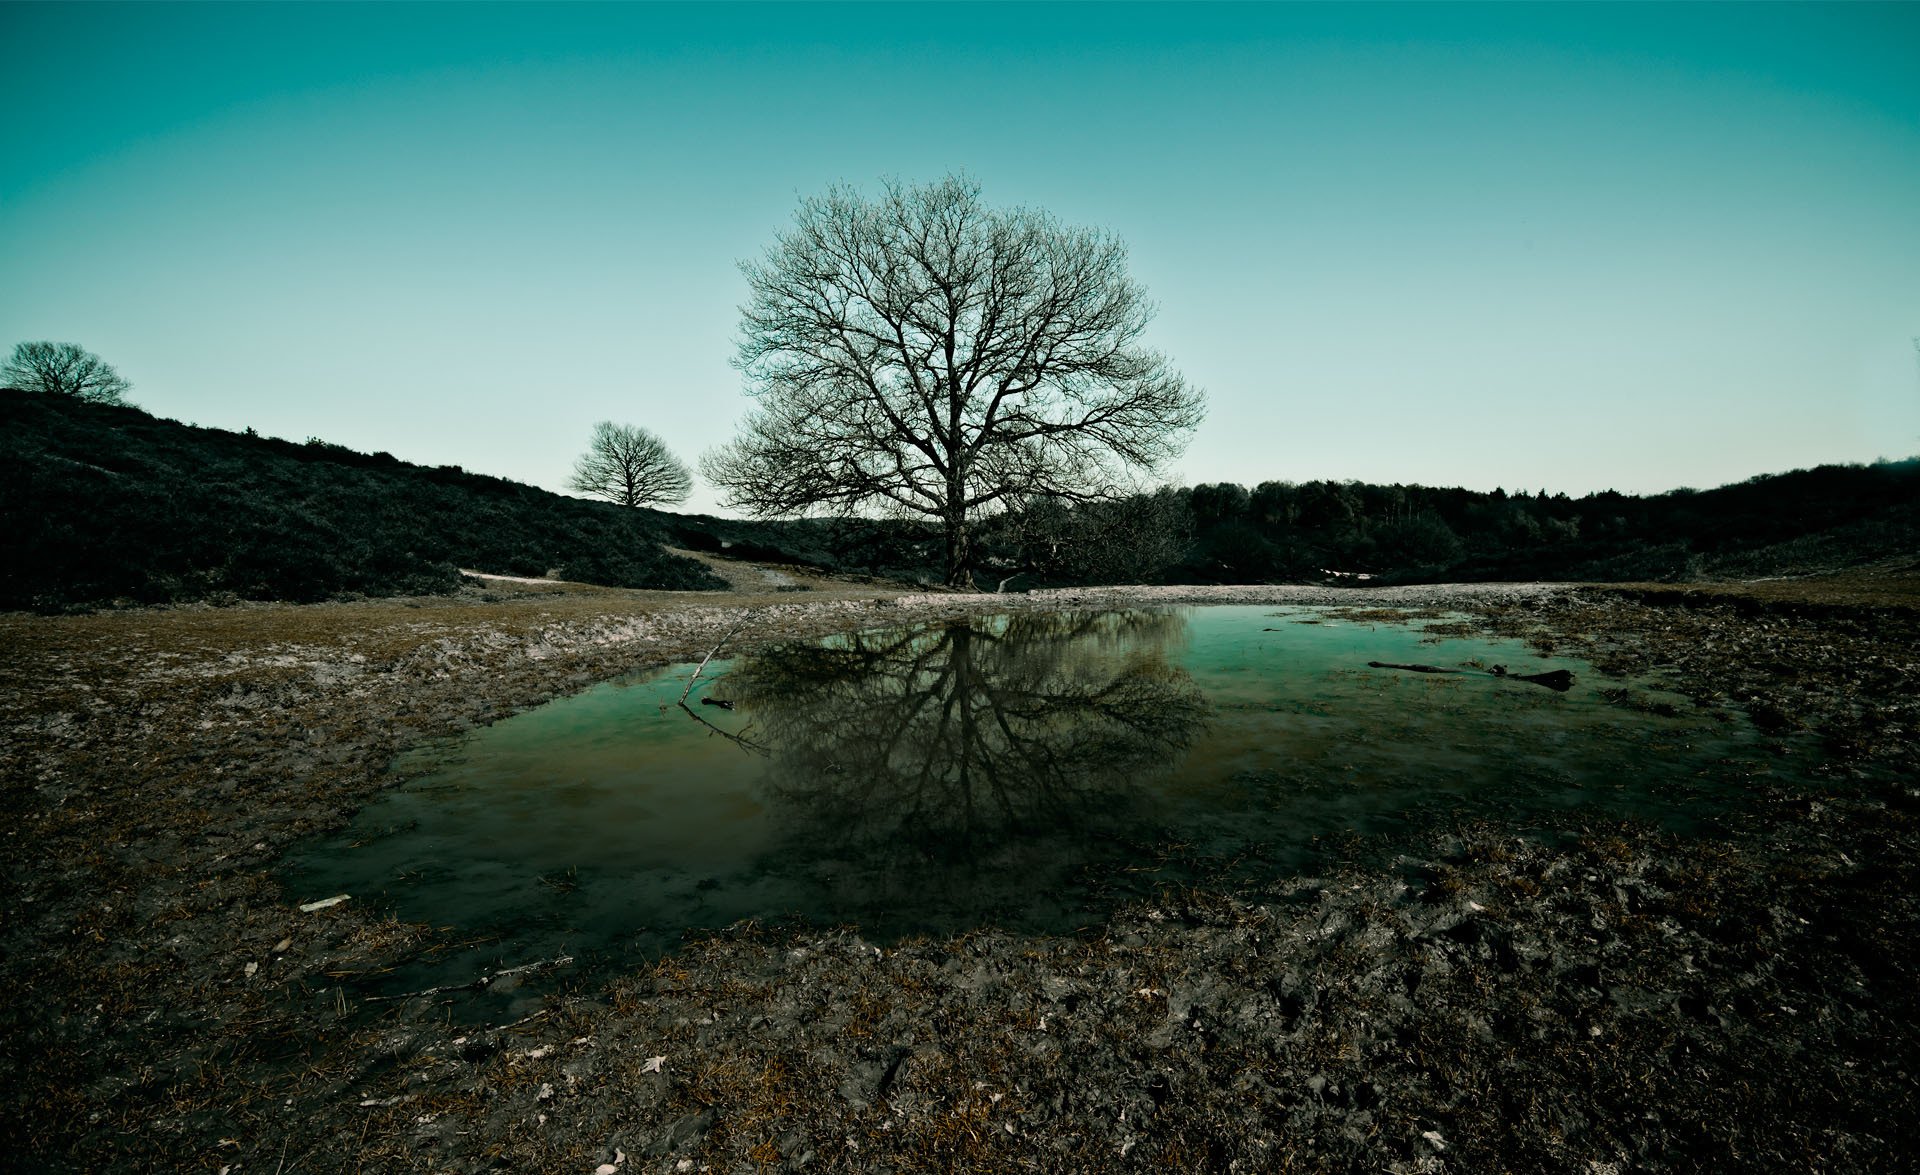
{"x": 1616, "y": 999}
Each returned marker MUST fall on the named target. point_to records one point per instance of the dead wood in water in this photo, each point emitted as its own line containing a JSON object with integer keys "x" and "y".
{"x": 1412, "y": 668}
{"x": 742, "y": 739}
{"x": 1554, "y": 679}
{"x": 721, "y": 644}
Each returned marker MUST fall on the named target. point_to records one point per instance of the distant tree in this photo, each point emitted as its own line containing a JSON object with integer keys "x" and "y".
{"x": 1420, "y": 540}
{"x": 1218, "y": 503}
{"x": 1274, "y": 505}
{"x": 630, "y": 466}
{"x": 930, "y": 355}
{"x": 67, "y": 369}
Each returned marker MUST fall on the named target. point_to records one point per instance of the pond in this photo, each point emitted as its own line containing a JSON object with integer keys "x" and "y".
{"x": 1028, "y": 771}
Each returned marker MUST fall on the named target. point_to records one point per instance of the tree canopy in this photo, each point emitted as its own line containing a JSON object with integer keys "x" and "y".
{"x": 66, "y": 369}
{"x": 927, "y": 354}
{"x": 629, "y": 466}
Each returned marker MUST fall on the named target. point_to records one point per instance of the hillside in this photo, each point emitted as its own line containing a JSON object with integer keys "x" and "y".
{"x": 103, "y": 504}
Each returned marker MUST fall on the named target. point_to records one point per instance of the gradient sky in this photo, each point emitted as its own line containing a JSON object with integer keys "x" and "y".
{"x": 1572, "y": 247}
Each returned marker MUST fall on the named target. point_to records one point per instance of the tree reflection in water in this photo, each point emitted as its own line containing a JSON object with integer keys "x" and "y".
{"x": 936, "y": 777}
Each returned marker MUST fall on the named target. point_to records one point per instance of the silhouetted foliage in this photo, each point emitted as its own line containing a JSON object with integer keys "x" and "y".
{"x": 890, "y": 548}
{"x": 64, "y": 369}
{"x": 629, "y": 466}
{"x": 1127, "y": 540}
{"x": 101, "y": 503}
{"x": 1833, "y": 516}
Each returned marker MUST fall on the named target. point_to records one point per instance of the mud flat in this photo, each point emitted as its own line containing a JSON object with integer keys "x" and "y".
{"x": 1612, "y": 999}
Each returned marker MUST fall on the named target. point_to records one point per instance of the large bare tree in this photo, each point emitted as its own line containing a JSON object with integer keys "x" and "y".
{"x": 930, "y": 355}
{"x": 64, "y": 368}
{"x": 628, "y": 465}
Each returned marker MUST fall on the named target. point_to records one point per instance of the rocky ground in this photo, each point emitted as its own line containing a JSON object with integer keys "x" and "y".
{"x": 1618, "y": 1000}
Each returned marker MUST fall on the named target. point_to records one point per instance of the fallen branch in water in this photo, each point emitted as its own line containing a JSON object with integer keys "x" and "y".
{"x": 741, "y": 740}
{"x": 700, "y": 668}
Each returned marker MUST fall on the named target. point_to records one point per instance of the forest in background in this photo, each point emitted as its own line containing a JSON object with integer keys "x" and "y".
{"x": 1823, "y": 519}
{"x": 103, "y": 504}
{"x": 1826, "y": 518}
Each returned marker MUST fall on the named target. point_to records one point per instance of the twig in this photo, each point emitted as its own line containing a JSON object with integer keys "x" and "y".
{"x": 520, "y": 1021}
{"x": 740, "y": 740}
{"x": 482, "y": 981}
{"x": 710, "y": 652}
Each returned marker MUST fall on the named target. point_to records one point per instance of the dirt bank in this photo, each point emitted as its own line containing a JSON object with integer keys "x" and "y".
{"x": 1620, "y": 1001}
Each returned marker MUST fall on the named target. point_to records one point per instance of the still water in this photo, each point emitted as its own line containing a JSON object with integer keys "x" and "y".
{"x": 1029, "y": 771}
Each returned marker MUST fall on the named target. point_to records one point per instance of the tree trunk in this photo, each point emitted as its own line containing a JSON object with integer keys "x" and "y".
{"x": 958, "y": 554}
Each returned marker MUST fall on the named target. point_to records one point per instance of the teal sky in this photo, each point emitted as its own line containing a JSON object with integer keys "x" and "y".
{"x": 1556, "y": 246}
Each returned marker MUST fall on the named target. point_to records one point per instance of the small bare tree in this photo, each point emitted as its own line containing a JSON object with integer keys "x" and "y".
{"x": 67, "y": 369}
{"x": 927, "y": 354}
{"x": 630, "y": 466}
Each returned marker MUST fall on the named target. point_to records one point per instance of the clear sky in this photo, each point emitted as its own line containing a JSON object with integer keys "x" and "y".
{"x": 1560, "y": 246}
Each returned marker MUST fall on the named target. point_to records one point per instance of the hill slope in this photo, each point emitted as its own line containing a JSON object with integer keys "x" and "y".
{"x": 101, "y": 503}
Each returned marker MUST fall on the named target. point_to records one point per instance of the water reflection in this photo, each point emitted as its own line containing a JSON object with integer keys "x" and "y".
{"x": 965, "y": 766}
{"x": 1028, "y": 771}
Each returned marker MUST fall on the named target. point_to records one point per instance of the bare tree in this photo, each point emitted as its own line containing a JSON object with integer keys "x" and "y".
{"x": 626, "y": 464}
{"x": 65, "y": 368}
{"x": 929, "y": 355}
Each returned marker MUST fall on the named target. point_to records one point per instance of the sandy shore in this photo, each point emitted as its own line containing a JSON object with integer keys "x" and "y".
{"x": 1620, "y": 1001}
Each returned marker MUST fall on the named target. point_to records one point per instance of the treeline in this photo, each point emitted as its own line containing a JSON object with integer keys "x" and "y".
{"x": 102, "y": 503}
{"x": 1832, "y": 516}
{"x": 1825, "y": 518}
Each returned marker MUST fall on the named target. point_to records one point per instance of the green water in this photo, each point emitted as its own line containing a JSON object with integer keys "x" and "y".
{"x": 1028, "y": 771}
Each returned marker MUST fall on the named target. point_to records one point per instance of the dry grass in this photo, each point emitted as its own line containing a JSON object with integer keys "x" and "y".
{"x": 1853, "y": 589}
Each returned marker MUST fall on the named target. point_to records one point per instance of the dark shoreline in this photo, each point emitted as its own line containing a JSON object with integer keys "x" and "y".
{"x": 1746, "y": 1000}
